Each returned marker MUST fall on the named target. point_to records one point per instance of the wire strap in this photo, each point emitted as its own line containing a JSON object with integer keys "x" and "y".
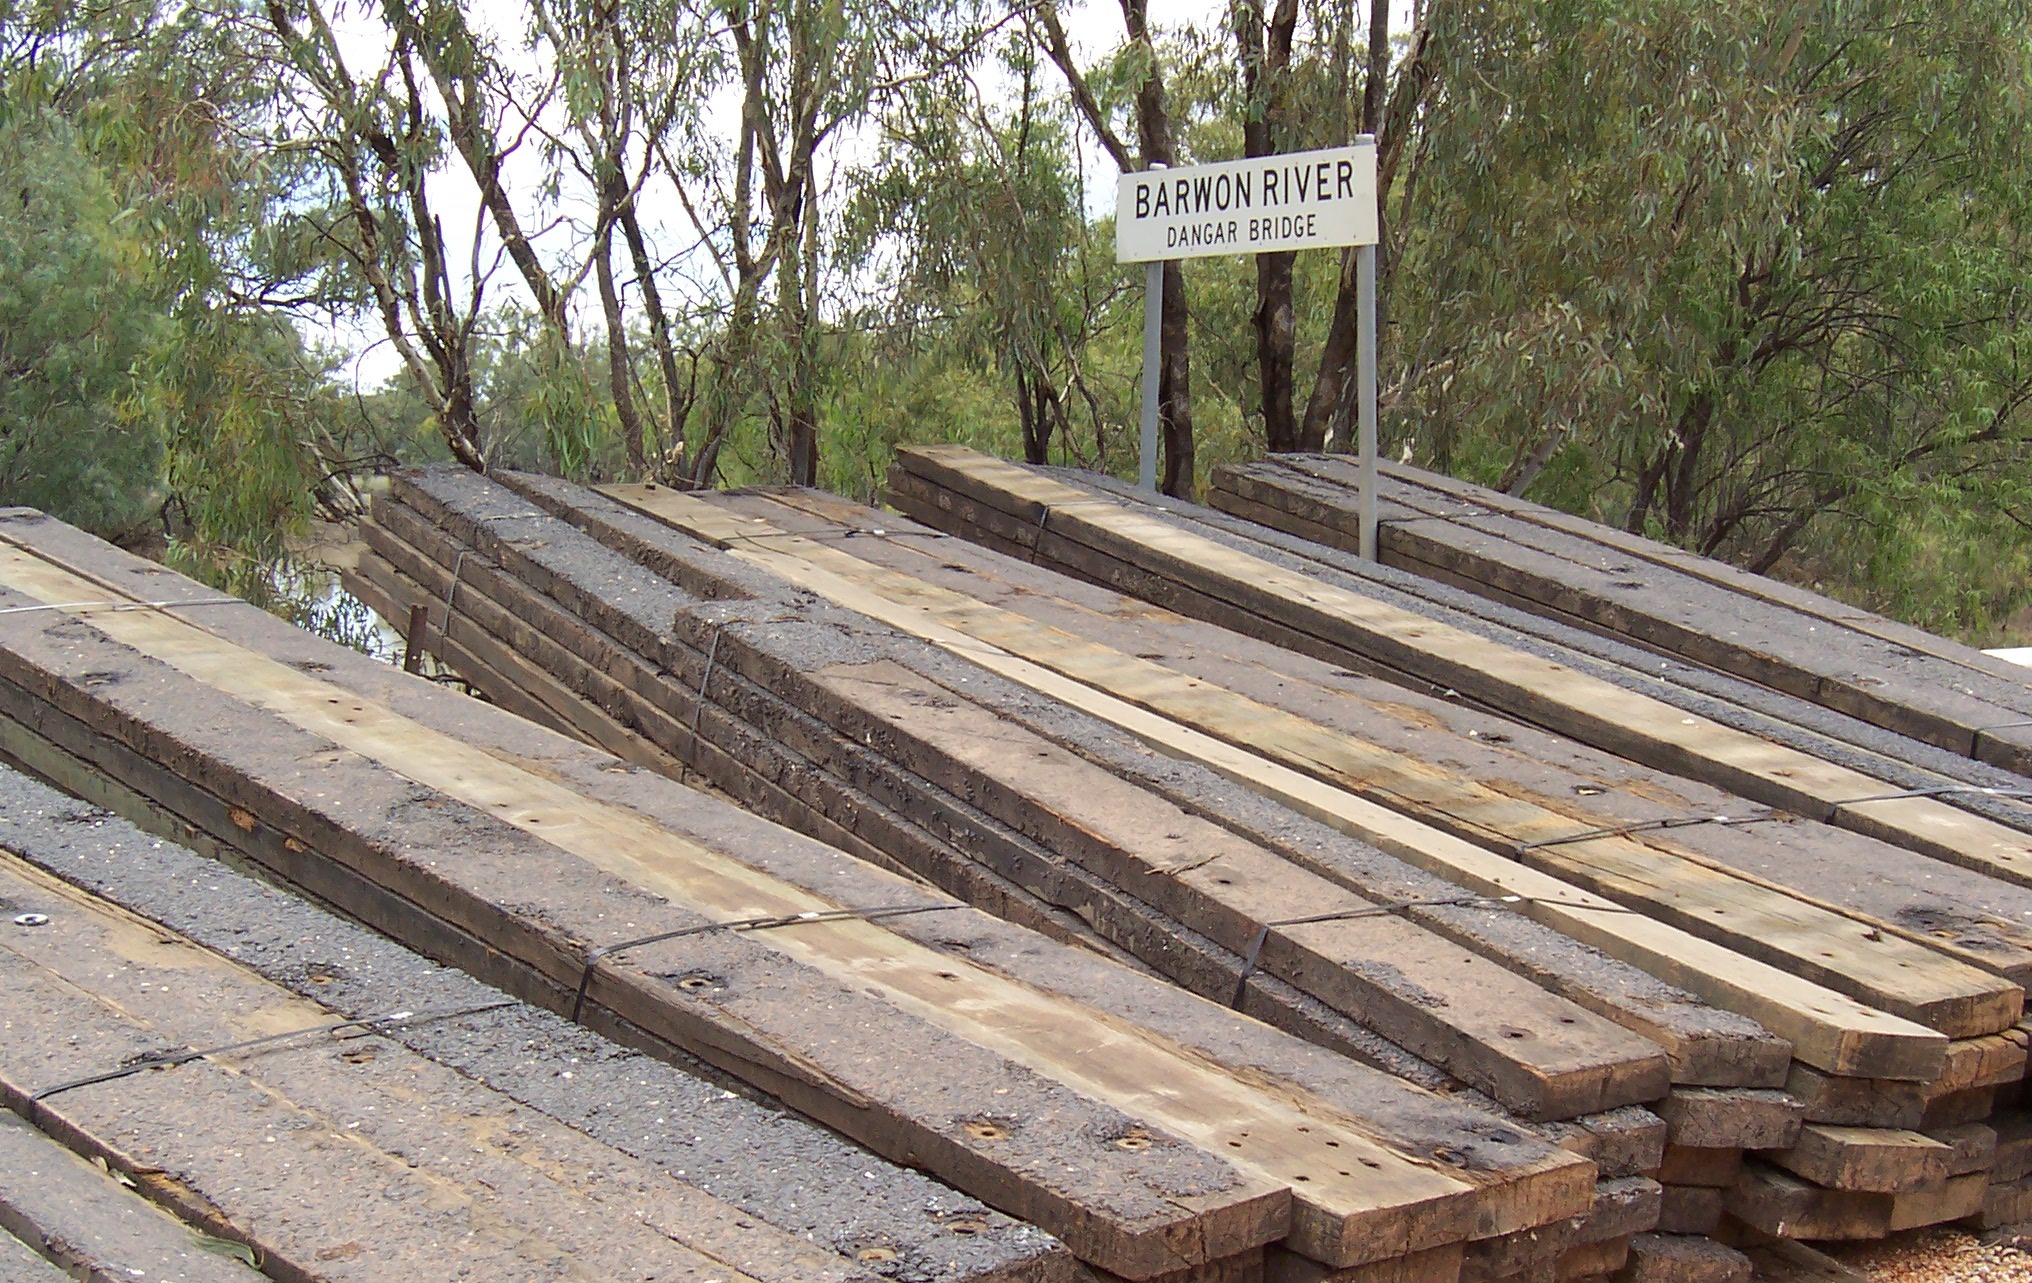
{"x": 1944, "y": 790}
{"x": 165, "y": 1060}
{"x": 1646, "y": 826}
{"x": 451, "y": 593}
{"x": 835, "y": 536}
{"x": 698, "y": 702}
{"x": 1688, "y": 821}
{"x": 1262, "y": 936}
{"x": 594, "y": 956}
{"x": 122, "y": 605}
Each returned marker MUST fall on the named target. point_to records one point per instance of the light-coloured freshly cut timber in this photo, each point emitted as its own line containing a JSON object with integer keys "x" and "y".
{"x": 1707, "y": 1045}
{"x": 1535, "y": 1053}
{"x": 1532, "y": 1051}
{"x": 1825, "y": 1028}
{"x": 1536, "y": 689}
{"x": 1852, "y": 874}
{"x": 1279, "y": 1143}
{"x": 1852, "y": 955}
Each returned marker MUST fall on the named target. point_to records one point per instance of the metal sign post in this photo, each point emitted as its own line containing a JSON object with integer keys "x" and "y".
{"x": 1365, "y": 389}
{"x": 1153, "y": 358}
{"x": 1299, "y": 200}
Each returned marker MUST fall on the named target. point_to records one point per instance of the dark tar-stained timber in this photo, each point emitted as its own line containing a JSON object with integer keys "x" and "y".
{"x": 1430, "y": 1266}
{"x": 86, "y": 1221}
{"x": 535, "y": 482}
{"x": 1782, "y": 1205}
{"x": 1229, "y": 889}
{"x": 1635, "y": 1124}
{"x": 768, "y": 1165}
{"x": 2005, "y": 1203}
{"x": 1744, "y": 1118}
{"x": 1689, "y": 1209}
{"x": 447, "y": 750}
{"x": 358, "y": 721}
{"x": 312, "y": 1152}
{"x": 1225, "y": 986}
{"x": 1514, "y": 956}
{"x": 1952, "y": 910}
{"x": 1273, "y": 1001}
{"x": 1046, "y": 655}
{"x": 1862, "y": 664}
{"x": 1681, "y": 1258}
{"x": 1857, "y": 1102}
{"x": 1715, "y": 1167}
{"x": 1150, "y": 554}
{"x": 1955, "y": 1199}
{"x": 1972, "y": 1147}
{"x": 1875, "y": 1159}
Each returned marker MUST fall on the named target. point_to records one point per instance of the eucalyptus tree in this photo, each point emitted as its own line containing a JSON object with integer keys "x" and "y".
{"x": 379, "y": 143}
{"x": 156, "y": 389}
{"x": 972, "y": 221}
{"x": 1728, "y": 273}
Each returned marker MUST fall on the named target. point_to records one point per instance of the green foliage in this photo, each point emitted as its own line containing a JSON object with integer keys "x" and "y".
{"x": 1745, "y": 277}
{"x": 80, "y": 312}
{"x": 1753, "y": 276}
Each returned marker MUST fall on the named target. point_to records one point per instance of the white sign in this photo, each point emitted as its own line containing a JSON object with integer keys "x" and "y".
{"x": 1300, "y": 200}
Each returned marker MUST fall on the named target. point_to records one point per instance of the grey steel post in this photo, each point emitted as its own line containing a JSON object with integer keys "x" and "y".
{"x": 1365, "y": 389}
{"x": 1153, "y": 357}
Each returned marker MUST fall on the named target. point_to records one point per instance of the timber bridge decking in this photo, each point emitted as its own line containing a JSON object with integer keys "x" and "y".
{"x": 1046, "y": 883}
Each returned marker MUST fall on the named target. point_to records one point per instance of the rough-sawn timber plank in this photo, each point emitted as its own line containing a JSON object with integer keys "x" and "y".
{"x": 1523, "y": 685}
{"x": 1825, "y": 1028}
{"x": 650, "y": 856}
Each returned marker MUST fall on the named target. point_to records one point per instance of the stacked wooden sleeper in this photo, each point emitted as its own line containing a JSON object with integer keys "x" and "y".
{"x": 989, "y": 506}
{"x": 1784, "y": 1120}
{"x": 1889, "y": 674}
{"x": 484, "y": 839}
{"x": 1616, "y": 1135}
{"x": 478, "y": 1136}
{"x": 542, "y": 540}
{"x": 543, "y": 547}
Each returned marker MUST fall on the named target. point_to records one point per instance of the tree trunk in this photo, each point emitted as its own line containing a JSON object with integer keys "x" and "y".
{"x": 1174, "y": 378}
{"x": 1266, "y": 62}
{"x": 618, "y": 373}
{"x": 1388, "y": 117}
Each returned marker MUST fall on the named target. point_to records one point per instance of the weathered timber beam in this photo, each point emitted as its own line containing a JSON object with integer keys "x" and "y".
{"x": 1505, "y": 678}
{"x": 364, "y": 726}
{"x": 1569, "y": 903}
